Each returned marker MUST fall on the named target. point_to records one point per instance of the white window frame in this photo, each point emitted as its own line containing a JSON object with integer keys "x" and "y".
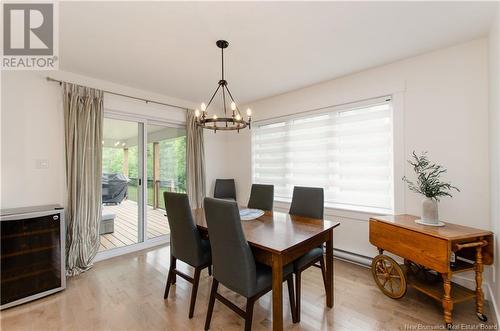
{"x": 356, "y": 212}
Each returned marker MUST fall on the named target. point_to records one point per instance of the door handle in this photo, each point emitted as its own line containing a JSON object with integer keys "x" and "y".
{"x": 140, "y": 181}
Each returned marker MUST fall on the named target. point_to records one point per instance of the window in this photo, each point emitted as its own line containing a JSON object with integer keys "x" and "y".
{"x": 346, "y": 150}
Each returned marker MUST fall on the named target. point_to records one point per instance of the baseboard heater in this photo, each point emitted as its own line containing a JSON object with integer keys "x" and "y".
{"x": 32, "y": 253}
{"x": 352, "y": 257}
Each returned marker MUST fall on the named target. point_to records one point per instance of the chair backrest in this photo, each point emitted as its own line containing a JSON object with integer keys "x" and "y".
{"x": 185, "y": 240}
{"x": 232, "y": 258}
{"x": 261, "y": 197}
{"x": 225, "y": 189}
{"x": 307, "y": 202}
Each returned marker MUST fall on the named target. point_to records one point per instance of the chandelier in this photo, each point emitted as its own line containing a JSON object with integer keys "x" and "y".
{"x": 213, "y": 122}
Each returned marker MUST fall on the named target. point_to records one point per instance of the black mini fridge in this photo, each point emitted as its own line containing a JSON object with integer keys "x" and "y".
{"x": 32, "y": 253}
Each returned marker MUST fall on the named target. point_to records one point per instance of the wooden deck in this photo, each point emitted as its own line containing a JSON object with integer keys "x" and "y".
{"x": 126, "y": 227}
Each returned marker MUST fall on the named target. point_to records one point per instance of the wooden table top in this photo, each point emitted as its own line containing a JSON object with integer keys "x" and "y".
{"x": 275, "y": 231}
{"x": 449, "y": 232}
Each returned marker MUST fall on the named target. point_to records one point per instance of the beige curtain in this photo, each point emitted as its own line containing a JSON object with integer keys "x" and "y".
{"x": 83, "y": 120}
{"x": 195, "y": 161}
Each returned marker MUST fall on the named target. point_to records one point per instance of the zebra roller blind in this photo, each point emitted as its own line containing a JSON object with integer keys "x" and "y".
{"x": 347, "y": 150}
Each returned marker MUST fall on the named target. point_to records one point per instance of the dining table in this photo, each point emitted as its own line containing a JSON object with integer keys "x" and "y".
{"x": 277, "y": 239}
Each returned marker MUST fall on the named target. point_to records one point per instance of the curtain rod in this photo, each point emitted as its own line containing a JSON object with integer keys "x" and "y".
{"x": 50, "y": 79}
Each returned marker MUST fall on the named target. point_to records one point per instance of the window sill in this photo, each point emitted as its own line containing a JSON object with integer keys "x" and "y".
{"x": 341, "y": 210}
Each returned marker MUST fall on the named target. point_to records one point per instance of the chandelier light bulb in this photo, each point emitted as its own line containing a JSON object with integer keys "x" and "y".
{"x": 233, "y": 106}
{"x": 215, "y": 117}
{"x": 203, "y": 106}
{"x": 238, "y": 117}
{"x": 249, "y": 112}
{"x": 197, "y": 113}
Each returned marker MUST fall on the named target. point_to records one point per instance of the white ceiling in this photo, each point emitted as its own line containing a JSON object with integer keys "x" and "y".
{"x": 275, "y": 47}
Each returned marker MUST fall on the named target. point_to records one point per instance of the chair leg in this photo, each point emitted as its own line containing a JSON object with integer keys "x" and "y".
{"x": 211, "y": 303}
{"x": 297, "y": 295}
{"x": 167, "y": 287}
{"x": 249, "y": 314}
{"x": 170, "y": 277}
{"x": 291, "y": 295}
{"x": 323, "y": 270}
{"x": 194, "y": 290}
{"x": 173, "y": 264}
{"x": 210, "y": 270}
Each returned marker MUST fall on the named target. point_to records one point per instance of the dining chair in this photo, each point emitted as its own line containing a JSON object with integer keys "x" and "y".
{"x": 234, "y": 264}
{"x": 307, "y": 202}
{"x": 186, "y": 244}
{"x": 225, "y": 189}
{"x": 261, "y": 197}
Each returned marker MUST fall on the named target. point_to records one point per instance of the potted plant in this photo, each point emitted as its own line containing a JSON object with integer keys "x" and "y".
{"x": 429, "y": 184}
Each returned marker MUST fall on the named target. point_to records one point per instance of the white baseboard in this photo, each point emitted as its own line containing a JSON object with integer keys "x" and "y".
{"x": 494, "y": 303}
{"x": 361, "y": 260}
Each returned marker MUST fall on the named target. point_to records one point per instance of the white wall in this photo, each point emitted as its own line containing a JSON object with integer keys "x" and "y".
{"x": 445, "y": 108}
{"x": 32, "y": 129}
{"x": 216, "y": 158}
{"x": 495, "y": 146}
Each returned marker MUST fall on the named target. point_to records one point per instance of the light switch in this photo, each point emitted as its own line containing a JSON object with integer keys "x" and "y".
{"x": 42, "y": 164}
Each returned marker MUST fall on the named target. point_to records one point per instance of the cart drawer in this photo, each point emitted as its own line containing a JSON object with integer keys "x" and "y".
{"x": 429, "y": 251}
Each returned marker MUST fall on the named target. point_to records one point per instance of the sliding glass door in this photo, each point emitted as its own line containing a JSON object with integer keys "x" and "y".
{"x": 166, "y": 172}
{"x": 122, "y": 195}
{"x": 141, "y": 160}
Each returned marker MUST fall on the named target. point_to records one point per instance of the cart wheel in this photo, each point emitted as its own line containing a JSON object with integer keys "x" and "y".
{"x": 482, "y": 317}
{"x": 389, "y": 276}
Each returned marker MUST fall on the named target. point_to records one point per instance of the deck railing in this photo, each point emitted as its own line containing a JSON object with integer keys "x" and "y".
{"x": 155, "y": 189}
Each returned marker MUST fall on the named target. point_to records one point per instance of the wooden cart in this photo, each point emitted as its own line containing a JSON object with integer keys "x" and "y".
{"x": 427, "y": 251}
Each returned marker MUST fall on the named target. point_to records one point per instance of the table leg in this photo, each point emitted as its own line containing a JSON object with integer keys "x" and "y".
{"x": 329, "y": 270}
{"x": 479, "y": 281}
{"x": 277, "y": 292}
{"x": 447, "y": 302}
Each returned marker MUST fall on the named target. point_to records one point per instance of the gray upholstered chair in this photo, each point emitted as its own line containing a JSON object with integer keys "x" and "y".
{"x": 234, "y": 263}
{"x": 307, "y": 202}
{"x": 261, "y": 197}
{"x": 225, "y": 189}
{"x": 186, "y": 244}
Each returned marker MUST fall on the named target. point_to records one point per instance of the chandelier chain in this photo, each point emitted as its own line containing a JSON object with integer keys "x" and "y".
{"x": 222, "y": 50}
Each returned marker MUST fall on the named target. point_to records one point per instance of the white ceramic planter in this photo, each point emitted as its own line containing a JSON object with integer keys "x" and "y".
{"x": 430, "y": 213}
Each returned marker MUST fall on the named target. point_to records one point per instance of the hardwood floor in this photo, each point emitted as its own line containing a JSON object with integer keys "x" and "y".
{"x": 126, "y": 229}
{"x": 126, "y": 293}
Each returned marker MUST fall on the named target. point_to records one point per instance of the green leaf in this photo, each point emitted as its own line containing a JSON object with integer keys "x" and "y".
{"x": 429, "y": 175}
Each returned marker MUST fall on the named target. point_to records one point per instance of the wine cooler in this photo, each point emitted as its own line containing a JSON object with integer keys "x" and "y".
{"x": 32, "y": 253}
